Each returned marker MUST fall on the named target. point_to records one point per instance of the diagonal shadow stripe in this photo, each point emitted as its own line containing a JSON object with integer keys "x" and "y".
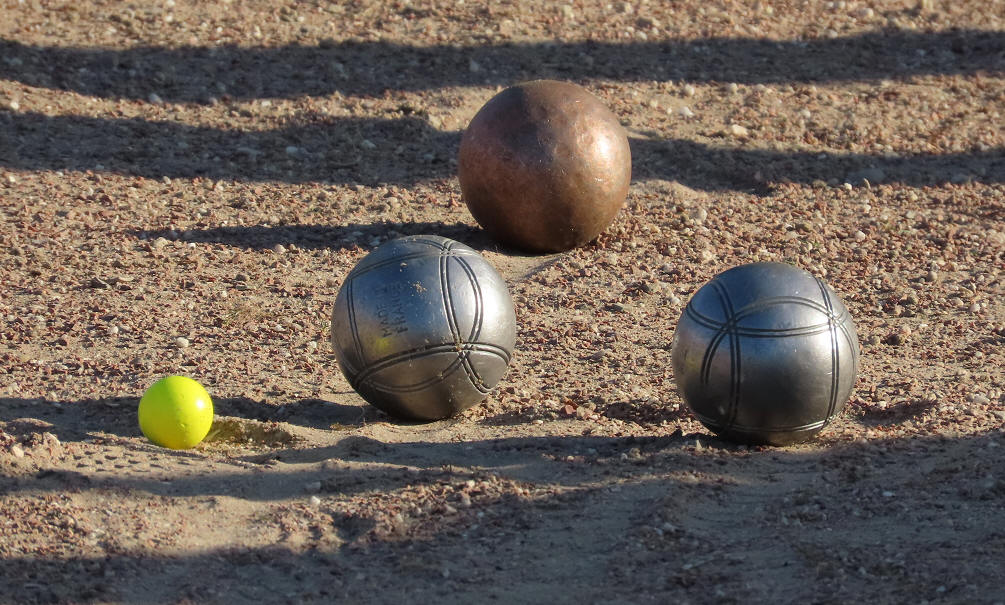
{"x": 327, "y": 150}
{"x": 195, "y": 74}
{"x": 323, "y": 150}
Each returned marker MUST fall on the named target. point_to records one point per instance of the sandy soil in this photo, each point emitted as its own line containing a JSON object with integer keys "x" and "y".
{"x": 183, "y": 185}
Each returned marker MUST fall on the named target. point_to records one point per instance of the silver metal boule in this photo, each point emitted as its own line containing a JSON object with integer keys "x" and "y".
{"x": 423, "y": 327}
{"x": 765, "y": 353}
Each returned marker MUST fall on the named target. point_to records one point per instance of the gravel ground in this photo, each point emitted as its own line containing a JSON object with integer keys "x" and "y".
{"x": 184, "y": 185}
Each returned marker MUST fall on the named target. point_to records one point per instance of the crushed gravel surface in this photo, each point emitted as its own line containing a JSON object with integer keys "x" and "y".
{"x": 184, "y": 185}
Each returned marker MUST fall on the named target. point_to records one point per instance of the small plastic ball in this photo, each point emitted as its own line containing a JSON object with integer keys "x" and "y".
{"x": 176, "y": 412}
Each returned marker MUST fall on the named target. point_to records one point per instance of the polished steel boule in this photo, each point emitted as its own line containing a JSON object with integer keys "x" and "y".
{"x": 423, "y": 327}
{"x": 765, "y": 353}
{"x": 544, "y": 166}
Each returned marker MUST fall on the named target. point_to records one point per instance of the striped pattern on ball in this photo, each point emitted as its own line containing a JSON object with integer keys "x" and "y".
{"x": 423, "y": 327}
{"x": 767, "y": 357}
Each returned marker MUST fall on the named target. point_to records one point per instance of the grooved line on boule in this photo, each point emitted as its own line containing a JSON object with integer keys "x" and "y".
{"x": 767, "y": 303}
{"x": 387, "y": 362}
{"x": 726, "y": 329}
{"x": 735, "y": 375}
{"x": 714, "y": 424}
{"x": 455, "y": 330}
{"x": 835, "y": 356}
{"x": 354, "y": 330}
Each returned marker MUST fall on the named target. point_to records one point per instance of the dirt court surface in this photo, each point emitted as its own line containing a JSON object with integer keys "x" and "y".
{"x": 183, "y": 186}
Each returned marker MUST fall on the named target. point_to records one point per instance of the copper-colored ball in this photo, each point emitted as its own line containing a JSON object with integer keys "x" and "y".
{"x": 544, "y": 166}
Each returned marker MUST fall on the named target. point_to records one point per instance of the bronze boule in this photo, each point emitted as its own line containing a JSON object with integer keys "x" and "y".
{"x": 544, "y": 166}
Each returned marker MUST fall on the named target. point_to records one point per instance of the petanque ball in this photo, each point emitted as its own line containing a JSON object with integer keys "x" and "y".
{"x": 423, "y": 327}
{"x": 544, "y": 166}
{"x": 765, "y": 353}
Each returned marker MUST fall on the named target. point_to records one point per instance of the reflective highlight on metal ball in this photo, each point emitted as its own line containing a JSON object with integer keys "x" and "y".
{"x": 423, "y": 327}
{"x": 544, "y": 166}
{"x": 765, "y": 353}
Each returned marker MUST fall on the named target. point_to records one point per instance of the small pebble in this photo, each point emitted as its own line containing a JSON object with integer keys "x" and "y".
{"x": 685, "y": 112}
{"x": 689, "y": 90}
{"x": 979, "y": 399}
{"x": 182, "y": 342}
{"x": 738, "y": 131}
{"x": 698, "y": 215}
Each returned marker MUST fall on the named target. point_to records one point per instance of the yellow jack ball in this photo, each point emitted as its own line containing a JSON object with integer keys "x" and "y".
{"x": 176, "y": 412}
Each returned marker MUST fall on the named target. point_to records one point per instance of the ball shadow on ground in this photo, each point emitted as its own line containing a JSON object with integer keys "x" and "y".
{"x": 309, "y": 413}
{"x": 642, "y": 411}
{"x": 116, "y": 416}
{"x": 335, "y": 237}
